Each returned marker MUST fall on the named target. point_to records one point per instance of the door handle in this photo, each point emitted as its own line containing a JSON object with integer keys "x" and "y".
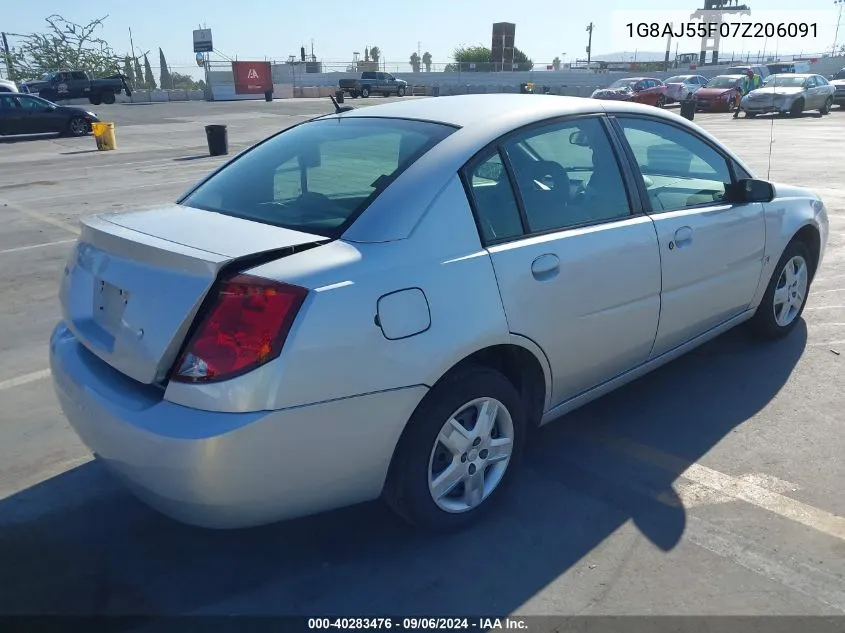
{"x": 683, "y": 237}
{"x": 545, "y": 267}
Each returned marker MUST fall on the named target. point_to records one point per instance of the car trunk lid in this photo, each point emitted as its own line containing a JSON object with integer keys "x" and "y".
{"x": 135, "y": 282}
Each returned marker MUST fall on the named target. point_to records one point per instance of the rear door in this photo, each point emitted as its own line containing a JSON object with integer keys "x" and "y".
{"x": 712, "y": 250}
{"x": 577, "y": 265}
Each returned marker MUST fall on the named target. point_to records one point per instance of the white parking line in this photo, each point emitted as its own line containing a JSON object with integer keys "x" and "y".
{"x": 28, "y": 248}
{"x": 738, "y": 488}
{"x": 23, "y": 380}
{"x": 824, "y": 308}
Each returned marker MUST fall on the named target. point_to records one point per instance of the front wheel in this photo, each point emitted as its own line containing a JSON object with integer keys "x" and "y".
{"x": 365, "y": 92}
{"x": 458, "y": 452}
{"x": 797, "y": 108}
{"x": 401, "y": 91}
{"x": 78, "y": 126}
{"x": 827, "y": 106}
{"x": 786, "y": 294}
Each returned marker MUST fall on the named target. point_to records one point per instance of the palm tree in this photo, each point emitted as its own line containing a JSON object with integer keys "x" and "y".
{"x": 426, "y": 59}
{"x": 375, "y": 53}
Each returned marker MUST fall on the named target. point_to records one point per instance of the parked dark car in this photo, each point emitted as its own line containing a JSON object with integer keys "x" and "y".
{"x": 638, "y": 89}
{"x": 75, "y": 84}
{"x": 27, "y": 114}
{"x": 373, "y": 83}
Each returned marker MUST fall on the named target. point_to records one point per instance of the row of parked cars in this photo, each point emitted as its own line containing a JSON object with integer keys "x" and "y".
{"x": 781, "y": 92}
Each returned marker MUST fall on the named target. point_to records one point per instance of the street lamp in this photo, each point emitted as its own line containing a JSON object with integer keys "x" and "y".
{"x": 838, "y": 19}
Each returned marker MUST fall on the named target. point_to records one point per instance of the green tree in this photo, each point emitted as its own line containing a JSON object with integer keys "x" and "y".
{"x": 415, "y": 63}
{"x": 149, "y": 80}
{"x": 556, "y": 63}
{"x": 64, "y": 45}
{"x": 375, "y": 53}
{"x": 128, "y": 72}
{"x": 426, "y": 59}
{"x": 186, "y": 82}
{"x": 482, "y": 58}
{"x": 166, "y": 79}
{"x": 139, "y": 74}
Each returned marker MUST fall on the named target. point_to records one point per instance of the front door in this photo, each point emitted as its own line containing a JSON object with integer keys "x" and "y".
{"x": 578, "y": 272}
{"x": 712, "y": 251}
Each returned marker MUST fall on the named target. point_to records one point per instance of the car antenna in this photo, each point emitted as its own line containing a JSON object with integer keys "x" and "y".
{"x": 772, "y": 127}
{"x": 339, "y": 108}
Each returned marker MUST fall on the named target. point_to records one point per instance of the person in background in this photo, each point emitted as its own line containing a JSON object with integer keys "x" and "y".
{"x": 750, "y": 82}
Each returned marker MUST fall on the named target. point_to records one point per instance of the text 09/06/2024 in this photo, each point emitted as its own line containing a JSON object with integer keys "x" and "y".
{"x": 722, "y": 29}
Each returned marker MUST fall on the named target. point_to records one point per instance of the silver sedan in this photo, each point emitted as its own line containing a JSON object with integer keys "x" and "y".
{"x": 790, "y": 94}
{"x": 384, "y": 302}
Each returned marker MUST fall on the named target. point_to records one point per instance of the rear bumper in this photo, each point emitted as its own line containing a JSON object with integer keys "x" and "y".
{"x": 229, "y": 470}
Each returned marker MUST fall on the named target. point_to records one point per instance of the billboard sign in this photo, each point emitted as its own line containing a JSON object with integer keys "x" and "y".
{"x": 252, "y": 77}
{"x": 202, "y": 41}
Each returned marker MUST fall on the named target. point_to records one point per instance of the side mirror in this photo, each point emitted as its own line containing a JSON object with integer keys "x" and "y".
{"x": 750, "y": 190}
{"x": 579, "y": 138}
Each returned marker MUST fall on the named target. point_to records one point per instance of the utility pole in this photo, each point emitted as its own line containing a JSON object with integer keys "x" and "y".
{"x": 836, "y": 35}
{"x": 8, "y": 57}
{"x": 589, "y": 44}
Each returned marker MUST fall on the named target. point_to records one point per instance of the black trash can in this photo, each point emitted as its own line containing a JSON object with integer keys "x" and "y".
{"x": 218, "y": 139}
{"x": 435, "y": 91}
{"x": 338, "y": 95}
{"x": 688, "y": 108}
{"x": 268, "y": 96}
{"x": 523, "y": 88}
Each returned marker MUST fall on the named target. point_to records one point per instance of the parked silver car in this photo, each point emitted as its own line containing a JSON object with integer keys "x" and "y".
{"x": 385, "y": 302}
{"x": 790, "y": 94}
{"x": 679, "y": 87}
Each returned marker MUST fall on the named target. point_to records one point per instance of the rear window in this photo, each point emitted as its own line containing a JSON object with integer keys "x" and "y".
{"x": 319, "y": 176}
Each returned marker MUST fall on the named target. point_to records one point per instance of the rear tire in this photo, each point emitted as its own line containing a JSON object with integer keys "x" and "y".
{"x": 481, "y": 466}
{"x": 786, "y": 295}
{"x": 95, "y": 100}
{"x": 661, "y": 101}
{"x": 109, "y": 98}
{"x": 401, "y": 92}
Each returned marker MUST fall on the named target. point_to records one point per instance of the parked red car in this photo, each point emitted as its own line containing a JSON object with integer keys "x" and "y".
{"x": 639, "y": 89}
{"x": 721, "y": 94}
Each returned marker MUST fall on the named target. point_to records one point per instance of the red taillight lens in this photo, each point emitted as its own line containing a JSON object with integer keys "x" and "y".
{"x": 247, "y": 327}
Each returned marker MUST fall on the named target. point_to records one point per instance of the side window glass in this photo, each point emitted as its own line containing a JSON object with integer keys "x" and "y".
{"x": 679, "y": 169}
{"x": 567, "y": 175}
{"x": 494, "y": 200}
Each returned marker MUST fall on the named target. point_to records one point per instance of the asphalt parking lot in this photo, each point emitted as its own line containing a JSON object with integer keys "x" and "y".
{"x": 712, "y": 486}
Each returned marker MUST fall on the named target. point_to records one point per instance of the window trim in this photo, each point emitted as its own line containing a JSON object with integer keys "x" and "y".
{"x": 648, "y": 209}
{"x": 635, "y": 206}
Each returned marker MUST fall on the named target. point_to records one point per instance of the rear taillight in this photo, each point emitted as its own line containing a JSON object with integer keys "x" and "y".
{"x": 246, "y": 328}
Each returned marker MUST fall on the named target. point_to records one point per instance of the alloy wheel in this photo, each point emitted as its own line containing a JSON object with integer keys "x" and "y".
{"x": 790, "y": 291}
{"x": 471, "y": 455}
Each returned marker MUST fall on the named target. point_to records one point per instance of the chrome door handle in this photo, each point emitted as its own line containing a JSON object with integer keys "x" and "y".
{"x": 545, "y": 267}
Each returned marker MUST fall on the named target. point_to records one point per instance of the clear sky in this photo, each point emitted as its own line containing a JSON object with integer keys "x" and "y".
{"x": 273, "y": 29}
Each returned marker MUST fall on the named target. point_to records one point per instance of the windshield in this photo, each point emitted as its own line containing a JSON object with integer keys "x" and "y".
{"x": 785, "y": 81}
{"x": 679, "y": 79}
{"x": 840, "y": 74}
{"x": 624, "y": 83}
{"x": 318, "y": 176}
{"x": 723, "y": 82}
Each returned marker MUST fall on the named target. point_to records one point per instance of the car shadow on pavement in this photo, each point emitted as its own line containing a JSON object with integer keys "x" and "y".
{"x": 79, "y": 544}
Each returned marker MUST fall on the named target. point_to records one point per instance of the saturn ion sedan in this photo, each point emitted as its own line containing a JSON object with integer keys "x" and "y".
{"x": 790, "y": 94}
{"x": 385, "y": 302}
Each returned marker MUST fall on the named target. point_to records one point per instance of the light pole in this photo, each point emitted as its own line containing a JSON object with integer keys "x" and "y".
{"x": 838, "y": 19}
{"x": 589, "y": 43}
